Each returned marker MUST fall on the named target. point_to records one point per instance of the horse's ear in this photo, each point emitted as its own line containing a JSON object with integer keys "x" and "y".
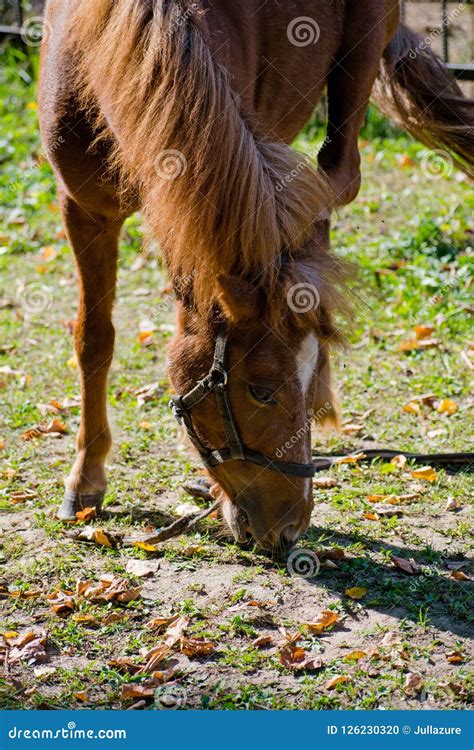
{"x": 326, "y": 401}
{"x": 238, "y": 298}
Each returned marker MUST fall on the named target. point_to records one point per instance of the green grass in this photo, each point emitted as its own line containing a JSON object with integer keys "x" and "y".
{"x": 411, "y": 236}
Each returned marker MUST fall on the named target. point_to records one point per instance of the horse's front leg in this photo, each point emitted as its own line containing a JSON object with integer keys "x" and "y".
{"x": 94, "y": 239}
{"x": 368, "y": 28}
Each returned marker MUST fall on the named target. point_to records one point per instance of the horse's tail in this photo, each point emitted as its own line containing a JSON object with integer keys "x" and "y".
{"x": 219, "y": 198}
{"x": 415, "y": 89}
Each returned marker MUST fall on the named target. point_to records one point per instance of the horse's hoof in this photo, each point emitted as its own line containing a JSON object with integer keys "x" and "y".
{"x": 74, "y": 502}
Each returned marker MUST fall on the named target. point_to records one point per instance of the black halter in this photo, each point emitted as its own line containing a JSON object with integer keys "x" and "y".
{"x": 216, "y": 382}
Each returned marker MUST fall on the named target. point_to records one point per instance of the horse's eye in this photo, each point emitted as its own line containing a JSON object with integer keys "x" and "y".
{"x": 262, "y": 395}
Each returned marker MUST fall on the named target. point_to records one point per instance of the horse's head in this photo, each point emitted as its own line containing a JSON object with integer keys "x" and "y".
{"x": 254, "y": 381}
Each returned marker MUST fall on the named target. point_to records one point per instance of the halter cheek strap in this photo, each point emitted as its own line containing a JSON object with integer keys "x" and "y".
{"x": 216, "y": 382}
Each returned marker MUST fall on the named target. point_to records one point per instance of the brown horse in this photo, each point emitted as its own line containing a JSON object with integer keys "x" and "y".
{"x": 185, "y": 110}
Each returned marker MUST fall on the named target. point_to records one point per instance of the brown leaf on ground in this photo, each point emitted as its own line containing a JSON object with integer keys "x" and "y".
{"x": 87, "y": 514}
{"x": 21, "y": 496}
{"x": 296, "y": 659}
{"x": 335, "y": 553}
{"x": 371, "y": 517}
{"x": 325, "y": 483}
{"x": 335, "y": 681}
{"x": 356, "y": 592}
{"x": 124, "y": 664}
{"x": 459, "y": 575}
{"x": 30, "y": 648}
{"x": 137, "y": 691}
{"x": 455, "y": 657}
{"x": 354, "y": 459}
{"x": 160, "y": 623}
{"x": 196, "y": 646}
{"x": 324, "y": 621}
{"x": 448, "y": 406}
{"x": 262, "y": 641}
{"x": 424, "y": 331}
{"x": 393, "y": 499}
{"x": 407, "y": 566}
{"x": 414, "y": 344}
{"x": 399, "y": 461}
{"x": 413, "y": 684}
{"x": 82, "y": 696}
{"x": 452, "y": 505}
{"x": 55, "y": 427}
{"x": 155, "y": 657}
{"x": 61, "y": 602}
{"x": 109, "y": 589}
{"x": 145, "y": 546}
{"x": 355, "y": 656}
{"x": 427, "y": 473}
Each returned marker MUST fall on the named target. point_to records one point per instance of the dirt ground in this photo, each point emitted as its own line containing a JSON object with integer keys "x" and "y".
{"x": 385, "y": 622}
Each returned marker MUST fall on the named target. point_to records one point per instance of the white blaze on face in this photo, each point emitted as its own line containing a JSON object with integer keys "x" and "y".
{"x": 306, "y": 361}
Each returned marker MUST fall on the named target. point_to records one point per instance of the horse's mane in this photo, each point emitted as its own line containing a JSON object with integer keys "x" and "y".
{"x": 220, "y": 198}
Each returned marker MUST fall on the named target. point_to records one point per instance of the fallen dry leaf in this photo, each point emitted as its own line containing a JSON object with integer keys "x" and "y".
{"x": 354, "y": 459}
{"x": 54, "y": 428}
{"x": 196, "y": 646}
{"x": 415, "y": 344}
{"x": 21, "y": 496}
{"x": 452, "y": 504}
{"x": 413, "y": 407}
{"x": 145, "y": 546}
{"x": 262, "y": 641}
{"x": 399, "y": 461}
{"x": 413, "y": 684}
{"x": 160, "y": 623}
{"x": 356, "y": 592}
{"x": 82, "y": 696}
{"x": 335, "y": 681}
{"x": 109, "y": 589}
{"x": 295, "y": 658}
{"x": 455, "y": 657}
{"x": 137, "y": 691}
{"x": 335, "y": 553}
{"x": 325, "y": 483}
{"x": 423, "y": 331}
{"x": 393, "y": 499}
{"x": 459, "y": 575}
{"x": 61, "y": 602}
{"x": 427, "y": 473}
{"x": 407, "y": 566}
{"x": 29, "y": 648}
{"x": 371, "y": 517}
{"x": 355, "y": 656}
{"x": 325, "y": 620}
{"x": 447, "y": 406}
{"x": 86, "y": 515}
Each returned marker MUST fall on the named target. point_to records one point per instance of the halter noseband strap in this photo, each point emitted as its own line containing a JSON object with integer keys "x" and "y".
{"x": 216, "y": 381}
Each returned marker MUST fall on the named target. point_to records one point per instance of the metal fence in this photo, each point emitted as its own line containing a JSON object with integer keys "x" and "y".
{"x": 11, "y": 16}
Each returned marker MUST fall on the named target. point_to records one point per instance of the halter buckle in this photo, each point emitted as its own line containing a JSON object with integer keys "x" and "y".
{"x": 177, "y": 410}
